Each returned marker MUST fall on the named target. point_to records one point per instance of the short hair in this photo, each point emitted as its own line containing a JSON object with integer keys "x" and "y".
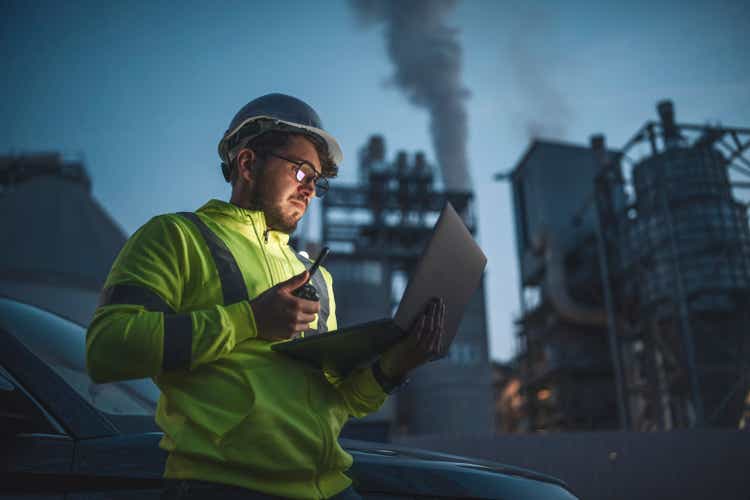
{"x": 273, "y": 140}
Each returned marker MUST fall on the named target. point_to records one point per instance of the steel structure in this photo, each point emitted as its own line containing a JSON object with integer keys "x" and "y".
{"x": 678, "y": 267}
{"x": 565, "y": 372}
{"x": 635, "y": 279}
{"x": 377, "y": 229}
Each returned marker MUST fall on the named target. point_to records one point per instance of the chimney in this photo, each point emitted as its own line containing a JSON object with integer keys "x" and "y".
{"x": 376, "y": 148}
{"x": 671, "y": 133}
{"x": 402, "y": 163}
{"x": 420, "y": 163}
{"x": 599, "y": 147}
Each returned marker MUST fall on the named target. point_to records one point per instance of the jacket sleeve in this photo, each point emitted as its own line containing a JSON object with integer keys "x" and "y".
{"x": 138, "y": 331}
{"x": 359, "y": 390}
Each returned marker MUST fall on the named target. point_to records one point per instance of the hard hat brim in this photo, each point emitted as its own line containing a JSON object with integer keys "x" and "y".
{"x": 334, "y": 150}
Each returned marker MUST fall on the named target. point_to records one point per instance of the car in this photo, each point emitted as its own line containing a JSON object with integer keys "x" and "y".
{"x": 64, "y": 436}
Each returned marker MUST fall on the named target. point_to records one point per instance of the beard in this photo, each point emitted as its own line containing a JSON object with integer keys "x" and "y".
{"x": 259, "y": 200}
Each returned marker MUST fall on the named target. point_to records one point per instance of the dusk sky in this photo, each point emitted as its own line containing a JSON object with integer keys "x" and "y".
{"x": 143, "y": 91}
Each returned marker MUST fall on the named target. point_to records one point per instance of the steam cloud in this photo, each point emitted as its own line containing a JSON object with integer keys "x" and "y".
{"x": 427, "y": 57}
{"x": 546, "y": 113}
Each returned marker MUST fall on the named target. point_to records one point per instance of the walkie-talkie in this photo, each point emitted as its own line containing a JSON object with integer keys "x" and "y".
{"x": 307, "y": 291}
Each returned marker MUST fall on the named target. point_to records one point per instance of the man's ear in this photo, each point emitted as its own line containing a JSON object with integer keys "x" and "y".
{"x": 246, "y": 161}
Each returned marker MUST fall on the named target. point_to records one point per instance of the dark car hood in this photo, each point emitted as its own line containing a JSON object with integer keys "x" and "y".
{"x": 433, "y": 456}
{"x": 377, "y": 468}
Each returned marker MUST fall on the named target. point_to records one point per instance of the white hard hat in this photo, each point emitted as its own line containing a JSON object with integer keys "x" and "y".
{"x": 276, "y": 112}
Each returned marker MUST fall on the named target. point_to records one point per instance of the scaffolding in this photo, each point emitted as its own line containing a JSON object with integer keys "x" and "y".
{"x": 377, "y": 230}
{"x": 678, "y": 267}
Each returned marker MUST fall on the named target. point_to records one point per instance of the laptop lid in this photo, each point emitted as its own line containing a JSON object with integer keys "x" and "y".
{"x": 451, "y": 267}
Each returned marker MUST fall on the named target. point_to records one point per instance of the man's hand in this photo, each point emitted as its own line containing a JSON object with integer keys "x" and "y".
{"x": 279, "y": 314}
{"x": 423, "y": 343}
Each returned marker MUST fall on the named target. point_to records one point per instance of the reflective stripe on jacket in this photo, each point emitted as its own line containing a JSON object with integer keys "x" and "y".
{"x": 232, "y": 410}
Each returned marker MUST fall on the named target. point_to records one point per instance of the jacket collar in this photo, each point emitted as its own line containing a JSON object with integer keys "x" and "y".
{"x": 255, "y": 218}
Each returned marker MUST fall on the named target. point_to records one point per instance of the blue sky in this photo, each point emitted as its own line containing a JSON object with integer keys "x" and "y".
{"x": 144, "y": 90}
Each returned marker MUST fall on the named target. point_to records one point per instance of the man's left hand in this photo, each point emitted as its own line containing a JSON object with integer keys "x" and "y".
{"x": 424, "y": 342}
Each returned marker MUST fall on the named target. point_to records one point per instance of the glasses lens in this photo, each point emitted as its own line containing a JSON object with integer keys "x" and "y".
{"x": 306, "y": 172}
{"x": 302, "y": 175}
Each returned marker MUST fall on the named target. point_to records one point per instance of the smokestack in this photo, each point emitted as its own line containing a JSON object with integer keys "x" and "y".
{"x": 599, "y": 147}
{"x": 371, "y": 157}
{"x": 427, "y": 59}
{"x": 376, "y": 148}
{"x": 420, "y": 163}
{"x": 597, "y": 142}
{"x": 672, "y": 135}
{"x": 402, "y": 162}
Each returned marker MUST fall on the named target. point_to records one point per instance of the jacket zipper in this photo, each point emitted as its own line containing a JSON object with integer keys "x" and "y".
{"x": 263, "y": 250}
{"x": 326, "y": 446}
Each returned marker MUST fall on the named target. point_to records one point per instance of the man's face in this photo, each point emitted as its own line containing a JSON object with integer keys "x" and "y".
{"x": 277, "y": 192}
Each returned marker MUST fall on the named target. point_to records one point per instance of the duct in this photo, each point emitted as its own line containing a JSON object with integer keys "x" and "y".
{"x": 555, "y": 284}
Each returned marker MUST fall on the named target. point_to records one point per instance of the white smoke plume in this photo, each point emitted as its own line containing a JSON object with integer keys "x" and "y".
{"x": 427, "y": 59}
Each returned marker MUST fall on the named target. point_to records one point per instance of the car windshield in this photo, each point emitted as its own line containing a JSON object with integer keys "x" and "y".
{"x": 61, "y": 344}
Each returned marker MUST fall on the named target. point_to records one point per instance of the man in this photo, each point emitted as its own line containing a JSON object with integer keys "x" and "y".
{"x": 195, "y": 301}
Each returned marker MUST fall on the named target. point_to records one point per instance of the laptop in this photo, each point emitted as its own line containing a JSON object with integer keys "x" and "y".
{"x": 451, "y": 267}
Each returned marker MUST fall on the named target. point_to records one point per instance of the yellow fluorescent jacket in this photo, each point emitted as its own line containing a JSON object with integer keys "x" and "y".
{"x": 241, "y": 414}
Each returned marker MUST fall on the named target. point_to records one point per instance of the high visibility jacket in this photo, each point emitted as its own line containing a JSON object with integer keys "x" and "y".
{"x": 232, "y": 410}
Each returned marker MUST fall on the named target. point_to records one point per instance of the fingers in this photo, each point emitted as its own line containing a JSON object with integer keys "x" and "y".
{"x": 420, "y": 328}
{"x": 305, "y": 306}
{"x": 441, "y": 329}
{"x": 434, "y": 316}
{"x": 300, "y": 317}
{"x": 294, "y": 282}
{"x": 433, "y": 341}
{"x": 427, "y": 334}
{"x": 299, "y": 314}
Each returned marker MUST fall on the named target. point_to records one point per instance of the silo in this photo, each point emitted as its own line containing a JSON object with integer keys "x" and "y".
{"x": 688, "y": 219}
{"x": 687, "y": 241}
{"x": 58, "y": 242}
{"x": 362, "y": 290}
{"x": 453, "y": 395}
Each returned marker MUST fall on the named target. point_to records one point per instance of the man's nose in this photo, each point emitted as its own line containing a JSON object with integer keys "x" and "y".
{"x": 307, "y": 188}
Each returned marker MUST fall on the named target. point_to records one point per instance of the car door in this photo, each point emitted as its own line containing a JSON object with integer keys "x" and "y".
{"x": 69, "y": 448}
{"x": 36, "y": 451}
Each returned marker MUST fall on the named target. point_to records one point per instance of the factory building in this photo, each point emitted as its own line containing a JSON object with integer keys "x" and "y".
{"x": 635, "y": 280}
{"x": 564, "y": 367}
{"x": 377, "y": 230}
{"x": 58, "y": 242}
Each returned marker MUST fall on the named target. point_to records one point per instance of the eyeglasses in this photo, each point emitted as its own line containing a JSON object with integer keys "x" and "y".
{"x": 304, "y": 172}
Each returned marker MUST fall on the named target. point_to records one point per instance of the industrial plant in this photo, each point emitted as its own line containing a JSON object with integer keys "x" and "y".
{"x": 634, "y": 282}
{"x": 634, "y": 279}
{"x": 634, "y": 285}
{"x": 378, "y": 229}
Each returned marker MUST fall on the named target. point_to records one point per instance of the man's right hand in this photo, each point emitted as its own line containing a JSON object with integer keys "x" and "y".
{"x": 279, "y": 314}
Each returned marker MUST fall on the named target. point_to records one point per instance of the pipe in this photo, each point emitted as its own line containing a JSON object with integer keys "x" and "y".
{"x": 555, "y": 285}
{"x": 670, "y": 130}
